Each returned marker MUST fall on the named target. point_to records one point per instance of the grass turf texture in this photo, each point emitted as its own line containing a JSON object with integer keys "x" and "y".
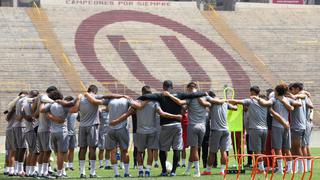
{"x": 103, "y": 174}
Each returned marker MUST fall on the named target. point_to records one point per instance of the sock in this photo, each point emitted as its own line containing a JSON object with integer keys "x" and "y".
{"x": 65, "y": 165}
{"x": 140, "y": 168}
{"x": 5, "y": 170}
{"x": 49, "y": 167}
{"x": 101, "y": 162}
{"x": 209, "y": 168}
{"x": 11, "y": 170}
{"x": 40, "y": 169}
{"x": 93, "y": 167}
{"x": 59, "y": 173}
{"x": 33, "y": 169}
{"x": 16, "y": 167}
{"x": 223, "y": 167}
{"x": 189, "y": 166}
{"x": 27, "y": 170}
{"x": 115, "y": 169}
{"x": 20, "y": 167}
{"x": 163, "y": 159}
{"x": 183, "y": 161}
{"x": 289, "y": 166}
{"x": 300, "y": 165}
{"x": 107, "y": 162}
{"x": 82, "y": 167}
{"x": 148, "y": 168}
{"x": 305, "y": 164}
{"x": 197, "y": 168}
{"x": 70, "y": 165}
{"x": 261, "y": 165}
{"x": 280, "y": 166}
{"x": 122, "y": 165}
{"x": 309, "y": 164}
{"x": 126, "y": 168}
{"x": 176, "y": 159}
{"x": 45, "y": 168}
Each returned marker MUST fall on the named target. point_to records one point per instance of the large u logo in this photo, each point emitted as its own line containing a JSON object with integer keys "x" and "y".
{"x": 88, "y": 29}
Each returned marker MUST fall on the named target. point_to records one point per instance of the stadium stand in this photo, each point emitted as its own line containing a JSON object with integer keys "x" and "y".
{"x": 123, "y": 45}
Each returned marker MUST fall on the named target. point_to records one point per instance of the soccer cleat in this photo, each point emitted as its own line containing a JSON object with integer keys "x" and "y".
{"x": 127, "y": 175}
{"x": 107, "y": 167}
{"x": 178, "y": 165}
{"x": 221, "y": 173}
{"x": 48, "y": 176}
{"x": 172, "y": 174}
{"x": 71, "y": 168}
{"x": 183, "y": 165}
{"x": 117, "y": 176}
{"x": 206, "y": 173}
{"x": 278, "y": 171}
{"x": 83, "y": 176}
{"x": 163, "y": 174}
{"x": 93, "y": 176}
{"x": 147, "y": 174}
{"x": 101, "y": 167}
{"x": 156, "y": 165}
{"x": 186, "y": 173}
{"x": 197, "y": 175}
{"x": 140, "y": 174}
{"x": 259, "y": 171}
{"x": 5, "y": 173}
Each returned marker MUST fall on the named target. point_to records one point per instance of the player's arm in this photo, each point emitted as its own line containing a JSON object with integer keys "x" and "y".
{"x": 168, "y": 115}
{"x": 216, "y": 100}
{"x": 137, "y": 104}
{"x": 309, "y": 103}
{"x": 115, "y": 96}
{"x": 75, "y": 108}
{"x": 93, "y": 100}
{"x": 151, "y": 97}
{"x": 232, "y": 107}
{"x": 55, "y": 118}
{"x": 65, "y": 103}
{"x": 121, "y": 118}
{"x": 191, "y": 95}
{"x": 27, "y": 114}
{"x": 263, "y": 102}
{"x": 235, "y": 101}
{"x": 286, "y": 104}
{"x": 204, "y": 103}
{"x": 174, "y": 99}
{"x": 10, "y": 113}
{"x": 296, "y": 103}
{"x": 280, "y": 119}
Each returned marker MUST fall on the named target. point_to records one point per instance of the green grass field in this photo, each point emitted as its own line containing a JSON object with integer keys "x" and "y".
{"x": 156, "y": 171}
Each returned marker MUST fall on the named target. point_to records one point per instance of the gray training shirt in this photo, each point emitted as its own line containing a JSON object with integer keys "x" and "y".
{"x": 257, "y": 114}
{"x": 44, "y": 122}
{"x": 196, "y": 112}
{"x": 281, "y": 110}
{"x": 26, "y": 108}
{"x": 89, "y": 113}
{"x": 19, "y": 104}
{"x": 117, "y": 107}
{"x": 71, "y": 123}
{"x": 61, "y": 112}
{"x": 298, "y": 116}
{"x": 146, "y": 118}
{"x": 218, "y": 114}
{"x": 104, "y": 118}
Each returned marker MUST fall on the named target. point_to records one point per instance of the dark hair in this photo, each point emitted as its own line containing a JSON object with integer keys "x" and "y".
{"x": 255, "y": 89}
{"x": 281, "y": 89}
{"x": 55, "y": 95}
{"x": 263, "y": 96}
{"x": 50, "y": 89}
{"x": 23, "y": 92}
{"x": 146, "y": 90}
{"x": 297, "y": 85}
{"x": 211, "y": 94}
{"x": 93, "y": 89}
{"x": 167, "y": 84}
{"x": 69, "y": 98}
{"x": 268, "y": 91}
{"x": 33, "y": 93}
{"x": 192, "y": 85}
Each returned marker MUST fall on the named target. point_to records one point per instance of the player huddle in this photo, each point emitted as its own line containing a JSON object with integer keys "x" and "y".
{"x": 42, "y": 123}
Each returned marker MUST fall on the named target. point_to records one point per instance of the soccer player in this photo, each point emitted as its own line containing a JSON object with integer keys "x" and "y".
{"x": 103, "y": 130}
{"x": 88, "y": 130}
{"x": 196, "y": 124}
{"x": 30, "y": 133}
{"x": 171, "y": 132}
{"x": 307, "y": 137}
{"x": 281, "y": 134}
{"x": 219, "y": 135}
{"x": 72, "y": 138}
{"x": 43, "y": 135}
{"x": 184, "y": 125}
{"x": 298, "y": 122}
{"x": 57, "y": 114}
{"x": 257, "y": 128}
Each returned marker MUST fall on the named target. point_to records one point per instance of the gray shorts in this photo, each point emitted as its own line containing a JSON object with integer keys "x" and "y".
{"x": 102, "y": 137}
{"x": 88, "y": 136}
{"x": 32, "y": 142}
{"x": 59, "y": 141}
{"x": 117, "y": 137}
{"x": 171, "y": 136}
{"x": 10, "y": 140}
{"x": 257, "y": 139}
{"x": 281, "y": 138}
{"x": 72, "y": 141}
{"x": 149, "y": 141}
{"x": 44, "y": 139}
{"x": 219, "y": 140}
{"x": 307, "y": 135}
{"x": 195, "y": 135}
{"x": 298, "y": 134}
{"x": 19, "y": 137}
